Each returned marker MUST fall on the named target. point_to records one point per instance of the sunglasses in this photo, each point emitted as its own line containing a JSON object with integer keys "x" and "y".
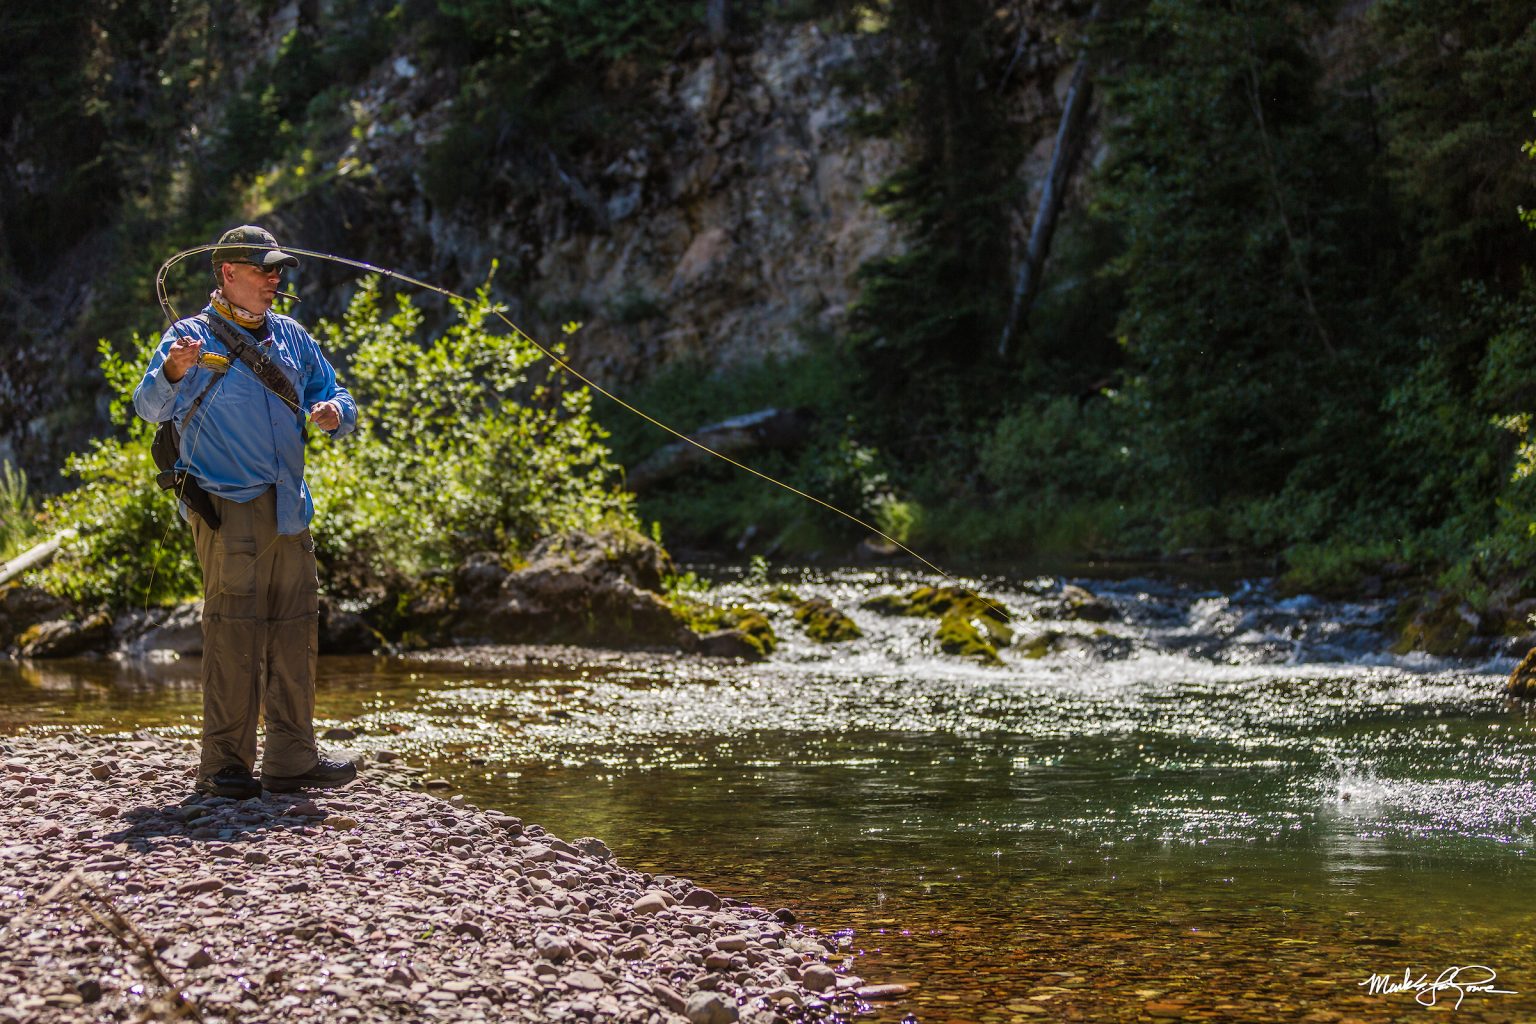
{"x": 276, "y": 268}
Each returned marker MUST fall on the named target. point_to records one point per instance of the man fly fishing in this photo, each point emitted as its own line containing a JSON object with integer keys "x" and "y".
{"x": 232, "y": 388}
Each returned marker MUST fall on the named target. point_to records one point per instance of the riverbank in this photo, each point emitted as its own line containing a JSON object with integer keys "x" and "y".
{"x": 122, "y": 894}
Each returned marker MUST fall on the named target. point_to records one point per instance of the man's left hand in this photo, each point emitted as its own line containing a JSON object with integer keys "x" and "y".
{"x": 325, "y": 415}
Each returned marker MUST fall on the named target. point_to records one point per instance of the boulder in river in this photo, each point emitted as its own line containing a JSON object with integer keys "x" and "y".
{"x": 24, "y": 607}
{"x": 346, "y": 632}
{"x": 65, "y": 638}
{"x": 1080, "y": 604}
{"x": 177, "y": 631}
{"x": 735, "y": 631}
{"x": 822, "y": 620}
{"x": 588, "y": 588}
{"x": 969, "y": 625}
{"x": 1441, "y": 625}
{"x": 1522, "y": 681}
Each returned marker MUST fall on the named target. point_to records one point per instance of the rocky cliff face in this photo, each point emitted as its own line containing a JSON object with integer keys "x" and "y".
{"x": 726, "y": 224}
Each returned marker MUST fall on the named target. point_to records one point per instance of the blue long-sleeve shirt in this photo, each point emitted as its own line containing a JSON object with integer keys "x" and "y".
{"x": 244, "y": 438}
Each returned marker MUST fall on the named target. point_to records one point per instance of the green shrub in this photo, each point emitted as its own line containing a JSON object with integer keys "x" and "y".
{"x": 467, "y": 441}
{"x": 132, "y": 548}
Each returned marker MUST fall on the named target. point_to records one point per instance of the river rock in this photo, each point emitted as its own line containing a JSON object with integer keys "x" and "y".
{"x": 1080, "y": 604}
{"x": 824, "y": 622}
{"x": 1441, "y": 625}
{"x": 653, "y": 902}
{"x": 879, "y": 993}
{"x": 591, "y": 846}
{"x": 552, "y": 947}
{"x": 343, "y": 631}
{"x": 710, "y": 1008}
{"x": 731, "y": 643}
{"x": 703, "y": 898}
{"x": 177, "y": 631}
{"x": 818, "y": 977}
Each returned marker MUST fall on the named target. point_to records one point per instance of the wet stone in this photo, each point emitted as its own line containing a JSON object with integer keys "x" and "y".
{"x": 819, "y": 977}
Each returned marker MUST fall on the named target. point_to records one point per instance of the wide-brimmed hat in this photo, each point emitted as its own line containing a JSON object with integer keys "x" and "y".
{"x": 251, "y": 244}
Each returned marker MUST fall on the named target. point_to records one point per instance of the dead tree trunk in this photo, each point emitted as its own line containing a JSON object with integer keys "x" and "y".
{"x": 714, "y": 21}
{"x": 1069, "y": 143}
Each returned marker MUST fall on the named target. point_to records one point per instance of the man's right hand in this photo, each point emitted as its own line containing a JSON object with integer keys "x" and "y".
{"x": 182, "y": 356}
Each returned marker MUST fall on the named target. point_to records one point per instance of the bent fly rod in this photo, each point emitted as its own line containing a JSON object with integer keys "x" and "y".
{"x": 172, "y": 317}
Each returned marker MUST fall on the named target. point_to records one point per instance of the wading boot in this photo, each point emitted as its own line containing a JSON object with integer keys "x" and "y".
{"x": 233, "y": 781}
{"x": 326, "y": 774}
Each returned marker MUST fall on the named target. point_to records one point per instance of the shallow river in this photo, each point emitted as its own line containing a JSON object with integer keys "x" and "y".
{"x": 1218, "y": 806}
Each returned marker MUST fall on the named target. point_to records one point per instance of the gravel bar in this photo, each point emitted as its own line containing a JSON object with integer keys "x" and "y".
{"x": 123, "y": 897}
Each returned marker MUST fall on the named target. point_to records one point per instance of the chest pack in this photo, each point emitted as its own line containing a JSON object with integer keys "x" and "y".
{"x": 165, "y": 449}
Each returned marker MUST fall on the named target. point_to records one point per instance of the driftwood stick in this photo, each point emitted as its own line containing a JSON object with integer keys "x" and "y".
{"x": 127, "y": 936}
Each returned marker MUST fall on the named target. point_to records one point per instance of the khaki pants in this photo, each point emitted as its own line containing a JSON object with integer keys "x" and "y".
{"x": 260, "y": 637}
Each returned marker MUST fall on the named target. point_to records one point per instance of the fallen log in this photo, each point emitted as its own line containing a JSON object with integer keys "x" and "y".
{"x": 764, "y": 429}
{"x": 41, "y": 554}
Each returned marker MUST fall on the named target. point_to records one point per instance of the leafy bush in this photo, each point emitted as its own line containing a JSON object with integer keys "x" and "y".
{"x": 132, "y": 547}
{"x": 466, "y": 442}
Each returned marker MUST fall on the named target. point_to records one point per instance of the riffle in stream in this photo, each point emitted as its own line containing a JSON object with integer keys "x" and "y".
{"x": 1218, "y": 805}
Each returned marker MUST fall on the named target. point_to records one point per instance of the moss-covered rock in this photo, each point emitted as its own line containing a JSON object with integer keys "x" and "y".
{"x": 824, "y": 623}
{"x": 1441, "y": 625}
{"x": 65, "y": 638}
{"x": 964, "y": 637}
{"x": 731, "y": 631}
{"x": 969, "y": 624}
{"x": 1522, "y": 681}
{"x": 822, "y": 620}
